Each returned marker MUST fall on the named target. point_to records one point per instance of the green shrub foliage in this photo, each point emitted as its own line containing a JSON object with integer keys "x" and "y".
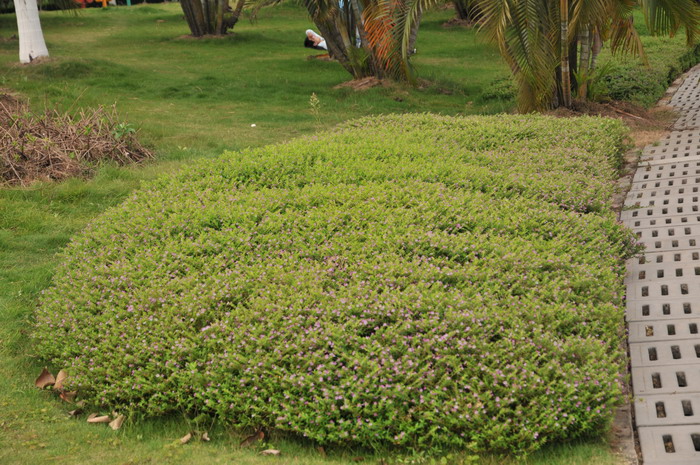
{"x": 412, "y": 281}
{"x": 626, "y": 78}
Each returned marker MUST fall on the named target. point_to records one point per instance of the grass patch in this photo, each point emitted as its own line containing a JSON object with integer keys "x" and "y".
{"x": 177, "y": 89}
{"x": 416, "y": 282}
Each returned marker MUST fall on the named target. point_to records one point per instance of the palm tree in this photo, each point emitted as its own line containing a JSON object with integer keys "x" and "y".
{"x": 538, "y": 37}
{"x": 467, "y": 10}
{"x": 370, "y": 37}
{"x": 214, "y": 17}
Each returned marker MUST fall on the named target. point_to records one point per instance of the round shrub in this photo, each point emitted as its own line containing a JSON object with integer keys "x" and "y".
{"x": 380, "y": 285}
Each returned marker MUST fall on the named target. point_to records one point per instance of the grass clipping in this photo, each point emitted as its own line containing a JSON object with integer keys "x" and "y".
{"x": 55, "y": 146}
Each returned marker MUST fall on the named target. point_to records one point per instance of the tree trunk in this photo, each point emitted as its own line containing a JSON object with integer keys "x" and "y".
{"x": 375, "y": 67}
{"x": 31, "y": 38}
{"x": 414, "y": 33}
{"x": 584, "y": 62}
{"x": 191, "y": 17}
{"x": 336, "y": 49}
{"x": 467, "y": 10}
{"x": 565, "y": 69}
{"x": 596, "y": 47}
{"x": 235, "y": 16}
{"x": 573, "y": 64}
{"x": 210, "y": 16}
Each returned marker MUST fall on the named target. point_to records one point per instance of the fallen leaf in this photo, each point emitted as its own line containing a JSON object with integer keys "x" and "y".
{"x": 321, "y": 451}
{"x": 60, "y": 378}
{"x": 96, "y": 418}
{"x": 358, "y": 459}
{"x": 117, "y": 422}
{"x": 76, "y": 412}
{"x": 205, "y": 437}
{"x": 44, "y": 379}
{"x": 68, "y": 396}
{"x": 186, "y": 438}
{"x": 250, "y": 440}
{"x": 271, "y": 452}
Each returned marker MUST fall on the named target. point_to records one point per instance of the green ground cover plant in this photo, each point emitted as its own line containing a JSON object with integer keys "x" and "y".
{"x": 418, "y": 281}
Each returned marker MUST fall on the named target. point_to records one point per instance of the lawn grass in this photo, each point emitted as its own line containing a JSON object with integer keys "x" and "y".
{"x": 191, "y": 98}
{"x": 177, "y": 88}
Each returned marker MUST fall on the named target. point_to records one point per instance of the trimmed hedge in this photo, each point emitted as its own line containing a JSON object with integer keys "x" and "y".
{"x": 411, "y": 281}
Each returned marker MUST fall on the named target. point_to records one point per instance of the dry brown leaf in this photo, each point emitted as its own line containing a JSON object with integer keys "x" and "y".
{"x": 96, "y": 418}
{"x": 271, "y": 452}
{"x": 44, "y": 379}
{"x": 76, "y": 412}
{"x": 205, "y": 437}
{"x": 250, "y": 440}
{"x": 68, "y": 396}
{"x": 358, "y": 459}
{"x": 60, "y": 378}
{"x": 117, "y": 422}
{"x": 321, "y": 451}
{"x": 186, "y": 438}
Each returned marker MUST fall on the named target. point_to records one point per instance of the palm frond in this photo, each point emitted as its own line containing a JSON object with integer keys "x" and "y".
{"x": 668, "y": 16}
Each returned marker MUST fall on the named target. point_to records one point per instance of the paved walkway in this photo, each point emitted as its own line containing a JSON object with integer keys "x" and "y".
{"x": 663, "y": 288}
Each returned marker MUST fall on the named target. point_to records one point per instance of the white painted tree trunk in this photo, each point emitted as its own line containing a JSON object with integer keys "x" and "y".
{"x": 31, "y": 38}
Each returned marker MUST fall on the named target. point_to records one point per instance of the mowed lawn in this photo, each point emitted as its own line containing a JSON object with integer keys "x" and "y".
{"x": 192, "y": 98}
{"x": 204, "y": 94}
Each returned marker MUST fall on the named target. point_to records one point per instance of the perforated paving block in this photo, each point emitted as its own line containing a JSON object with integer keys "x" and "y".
{"x": 649, "y": 270}
{"x": 670, "y": 445}
{"x": 640, "y": 198}
{"x": 663, "y": 288}
{"x": 644, "y": 310}
{"x": 666, "y": 380}
{"x": 637, "y": 223}
{"x": 666, "y": 353}
{"x": 658, "y": 212}
{"x": 664, "y": 330}
{"x": 688, "y": 291}
{"x": 667, "y": 410}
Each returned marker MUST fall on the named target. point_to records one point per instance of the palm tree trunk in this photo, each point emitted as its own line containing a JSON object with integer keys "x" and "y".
{"x": 414, "y": 33}
{"x": 375, "y": 67}
{"x": 220, "y": 5}
{"x": 466, "y": 10}
{"x": 189, "y": 16}
{"x": 596, "y": 47}
{"x": 565, "y": 69}
{"x": 194, "y": 15}
{"x": 584, "y": 62}
{"x": 235, "y": 16}
{"x": 31, "y": 38}
{"x": 336, "y": 49}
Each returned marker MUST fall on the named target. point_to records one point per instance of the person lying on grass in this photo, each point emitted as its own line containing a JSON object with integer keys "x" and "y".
{"x": 314, "y": 40}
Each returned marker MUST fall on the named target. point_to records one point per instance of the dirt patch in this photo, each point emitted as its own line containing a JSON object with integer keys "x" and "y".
{"x": 636, "y": 117}
{"x": 361, "y": 84}
{"x": 322, "y": 57}
{"x": 205, "y": 36}
{"x": 456, "y": 22}
{"x": 53, "y": 146}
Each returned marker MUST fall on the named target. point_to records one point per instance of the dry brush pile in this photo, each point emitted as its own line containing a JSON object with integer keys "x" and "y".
{"x": 54, "y": 145}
